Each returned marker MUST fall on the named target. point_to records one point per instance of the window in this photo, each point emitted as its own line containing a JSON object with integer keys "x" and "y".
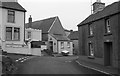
{"x": 107, "y": 26}
{"x": 16, "y": 33}
{"x": 68, "y": 44}
{"x": 11, "y": 16}
{"x": 91, "y": 49}
{"x": 90, "y": 30}
{"x": 29, "y": 35}
{"x": 12, "y": 33}
{"x": 62, "y": 45}
{"x": 8, "y": 33}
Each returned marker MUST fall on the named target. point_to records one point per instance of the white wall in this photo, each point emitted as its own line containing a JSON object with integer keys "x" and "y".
{"x": 70, "y": 49}
{"x": 36, "y": 35}
{"x": 36, "y": 51}
{"x": 19, "y": 22}
{"x": 18, "y": 50}
{"x": 0, "y": 23}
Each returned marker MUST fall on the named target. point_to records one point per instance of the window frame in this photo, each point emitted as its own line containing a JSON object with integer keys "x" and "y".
{"x": 90, "y": 29}
{"x": 62, "y": 45}
{"x": 68, "y": 44}
{"x": 18, "y": 34}
{"x": 9, "y": 32}
{"x": 29, "y": 33}
{"x": 11, "y": 16}
{"x": 13, "y": 34}
{"x": 91, "y": 49}
{"x": 107, "y": 25}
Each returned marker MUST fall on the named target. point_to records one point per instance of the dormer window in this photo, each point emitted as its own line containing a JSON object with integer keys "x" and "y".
{"x": 11, "y": 16}
{"x": 107, "y": 26}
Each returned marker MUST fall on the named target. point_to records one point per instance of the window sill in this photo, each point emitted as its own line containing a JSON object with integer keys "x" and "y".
{"x": 107, "y": 34}
{"x": 90, "y": 36}
{"x": 12, "y": 40}
{"x": 91, "y": 57}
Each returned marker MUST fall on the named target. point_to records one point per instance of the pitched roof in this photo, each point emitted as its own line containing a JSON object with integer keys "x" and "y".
{"x": 107, "y": 11}
{"x": 60, "y": 37}
{"x": 43, "y": 25}
{"x": 13, "y": 5}
{"x": 73, "y": 35}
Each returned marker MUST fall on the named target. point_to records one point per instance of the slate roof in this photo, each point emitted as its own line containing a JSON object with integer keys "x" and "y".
{"x": 107, "y": 11}
{"x": 60, "y": 37}
{"x": 73, "y": 35}
{"x": 43, "y": 25}
{"x": 13, "y": 5}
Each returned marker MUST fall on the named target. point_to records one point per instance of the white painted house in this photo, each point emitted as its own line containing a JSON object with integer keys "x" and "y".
{"x": 12, "y": 21}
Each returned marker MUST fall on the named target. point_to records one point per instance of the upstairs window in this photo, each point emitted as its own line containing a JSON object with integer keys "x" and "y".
{"x": 90, "y": 29}
{"x": 107, "y": 26}
{"x": 91, "y": 49}
{"x": 11, "y": 16}
{"x": 29, "y": 35}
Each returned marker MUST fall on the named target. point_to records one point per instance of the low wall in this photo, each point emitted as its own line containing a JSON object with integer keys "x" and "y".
{"x": 20, "y": 50}
{"x": 36, "y": 51}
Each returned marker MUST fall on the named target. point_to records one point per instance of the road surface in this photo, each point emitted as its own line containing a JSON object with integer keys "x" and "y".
{"x": 52, "y": 65}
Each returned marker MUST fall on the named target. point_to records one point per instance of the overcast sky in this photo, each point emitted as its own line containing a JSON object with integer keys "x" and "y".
{"x": 70, "y": 12}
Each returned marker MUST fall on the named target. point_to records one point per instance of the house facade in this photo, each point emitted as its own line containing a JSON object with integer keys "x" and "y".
{"x": 12, "y": 21}
{"x": 73, "y": 36}
{"x": 98, "y": 35}
{"x": 50, "y": 28}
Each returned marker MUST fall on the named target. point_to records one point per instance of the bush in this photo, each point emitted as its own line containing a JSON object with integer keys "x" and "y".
{"x": 8, "y": 65}
{"x": 49, "y": 52}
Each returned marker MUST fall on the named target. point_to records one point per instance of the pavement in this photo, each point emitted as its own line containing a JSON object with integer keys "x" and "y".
{"x": 98, "y": 67}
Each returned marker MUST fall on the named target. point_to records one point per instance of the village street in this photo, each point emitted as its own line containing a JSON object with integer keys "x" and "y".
{"x": 52, "y": 65}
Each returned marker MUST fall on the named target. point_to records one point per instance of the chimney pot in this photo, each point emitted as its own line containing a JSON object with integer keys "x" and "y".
{"x": 30, "y": 21}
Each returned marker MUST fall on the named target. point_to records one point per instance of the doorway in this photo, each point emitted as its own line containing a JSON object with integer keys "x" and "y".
{"x": 108, "y": 49}
{"x": 51, "y": 45}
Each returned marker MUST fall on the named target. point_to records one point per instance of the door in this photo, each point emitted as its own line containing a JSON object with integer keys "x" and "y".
{"x": 51, "y": 45}
{"x": 108, "y": 53}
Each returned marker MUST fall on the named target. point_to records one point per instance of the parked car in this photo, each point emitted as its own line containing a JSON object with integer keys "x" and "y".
{"x": 65, "y": 53}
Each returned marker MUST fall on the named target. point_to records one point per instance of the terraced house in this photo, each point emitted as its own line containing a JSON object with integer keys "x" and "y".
{"x": 12, "y": 21}
{"x": 99, "y": 35}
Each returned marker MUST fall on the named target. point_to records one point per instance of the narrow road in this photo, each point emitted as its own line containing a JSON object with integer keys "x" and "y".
{"x": 52, "y": 65}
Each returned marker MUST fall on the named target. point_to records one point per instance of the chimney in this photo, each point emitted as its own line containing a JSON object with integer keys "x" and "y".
{"x": 30, "y": 21}
{"x": 71, "y": 31}
{"x": 98, "y": 6}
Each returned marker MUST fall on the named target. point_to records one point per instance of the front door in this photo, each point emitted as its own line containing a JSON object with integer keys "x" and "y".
{"x": 108, "y": 53}
{"x": 51, "y": 45}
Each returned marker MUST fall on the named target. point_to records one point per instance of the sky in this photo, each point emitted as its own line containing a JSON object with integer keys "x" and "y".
{"x": 70, "y": 12}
